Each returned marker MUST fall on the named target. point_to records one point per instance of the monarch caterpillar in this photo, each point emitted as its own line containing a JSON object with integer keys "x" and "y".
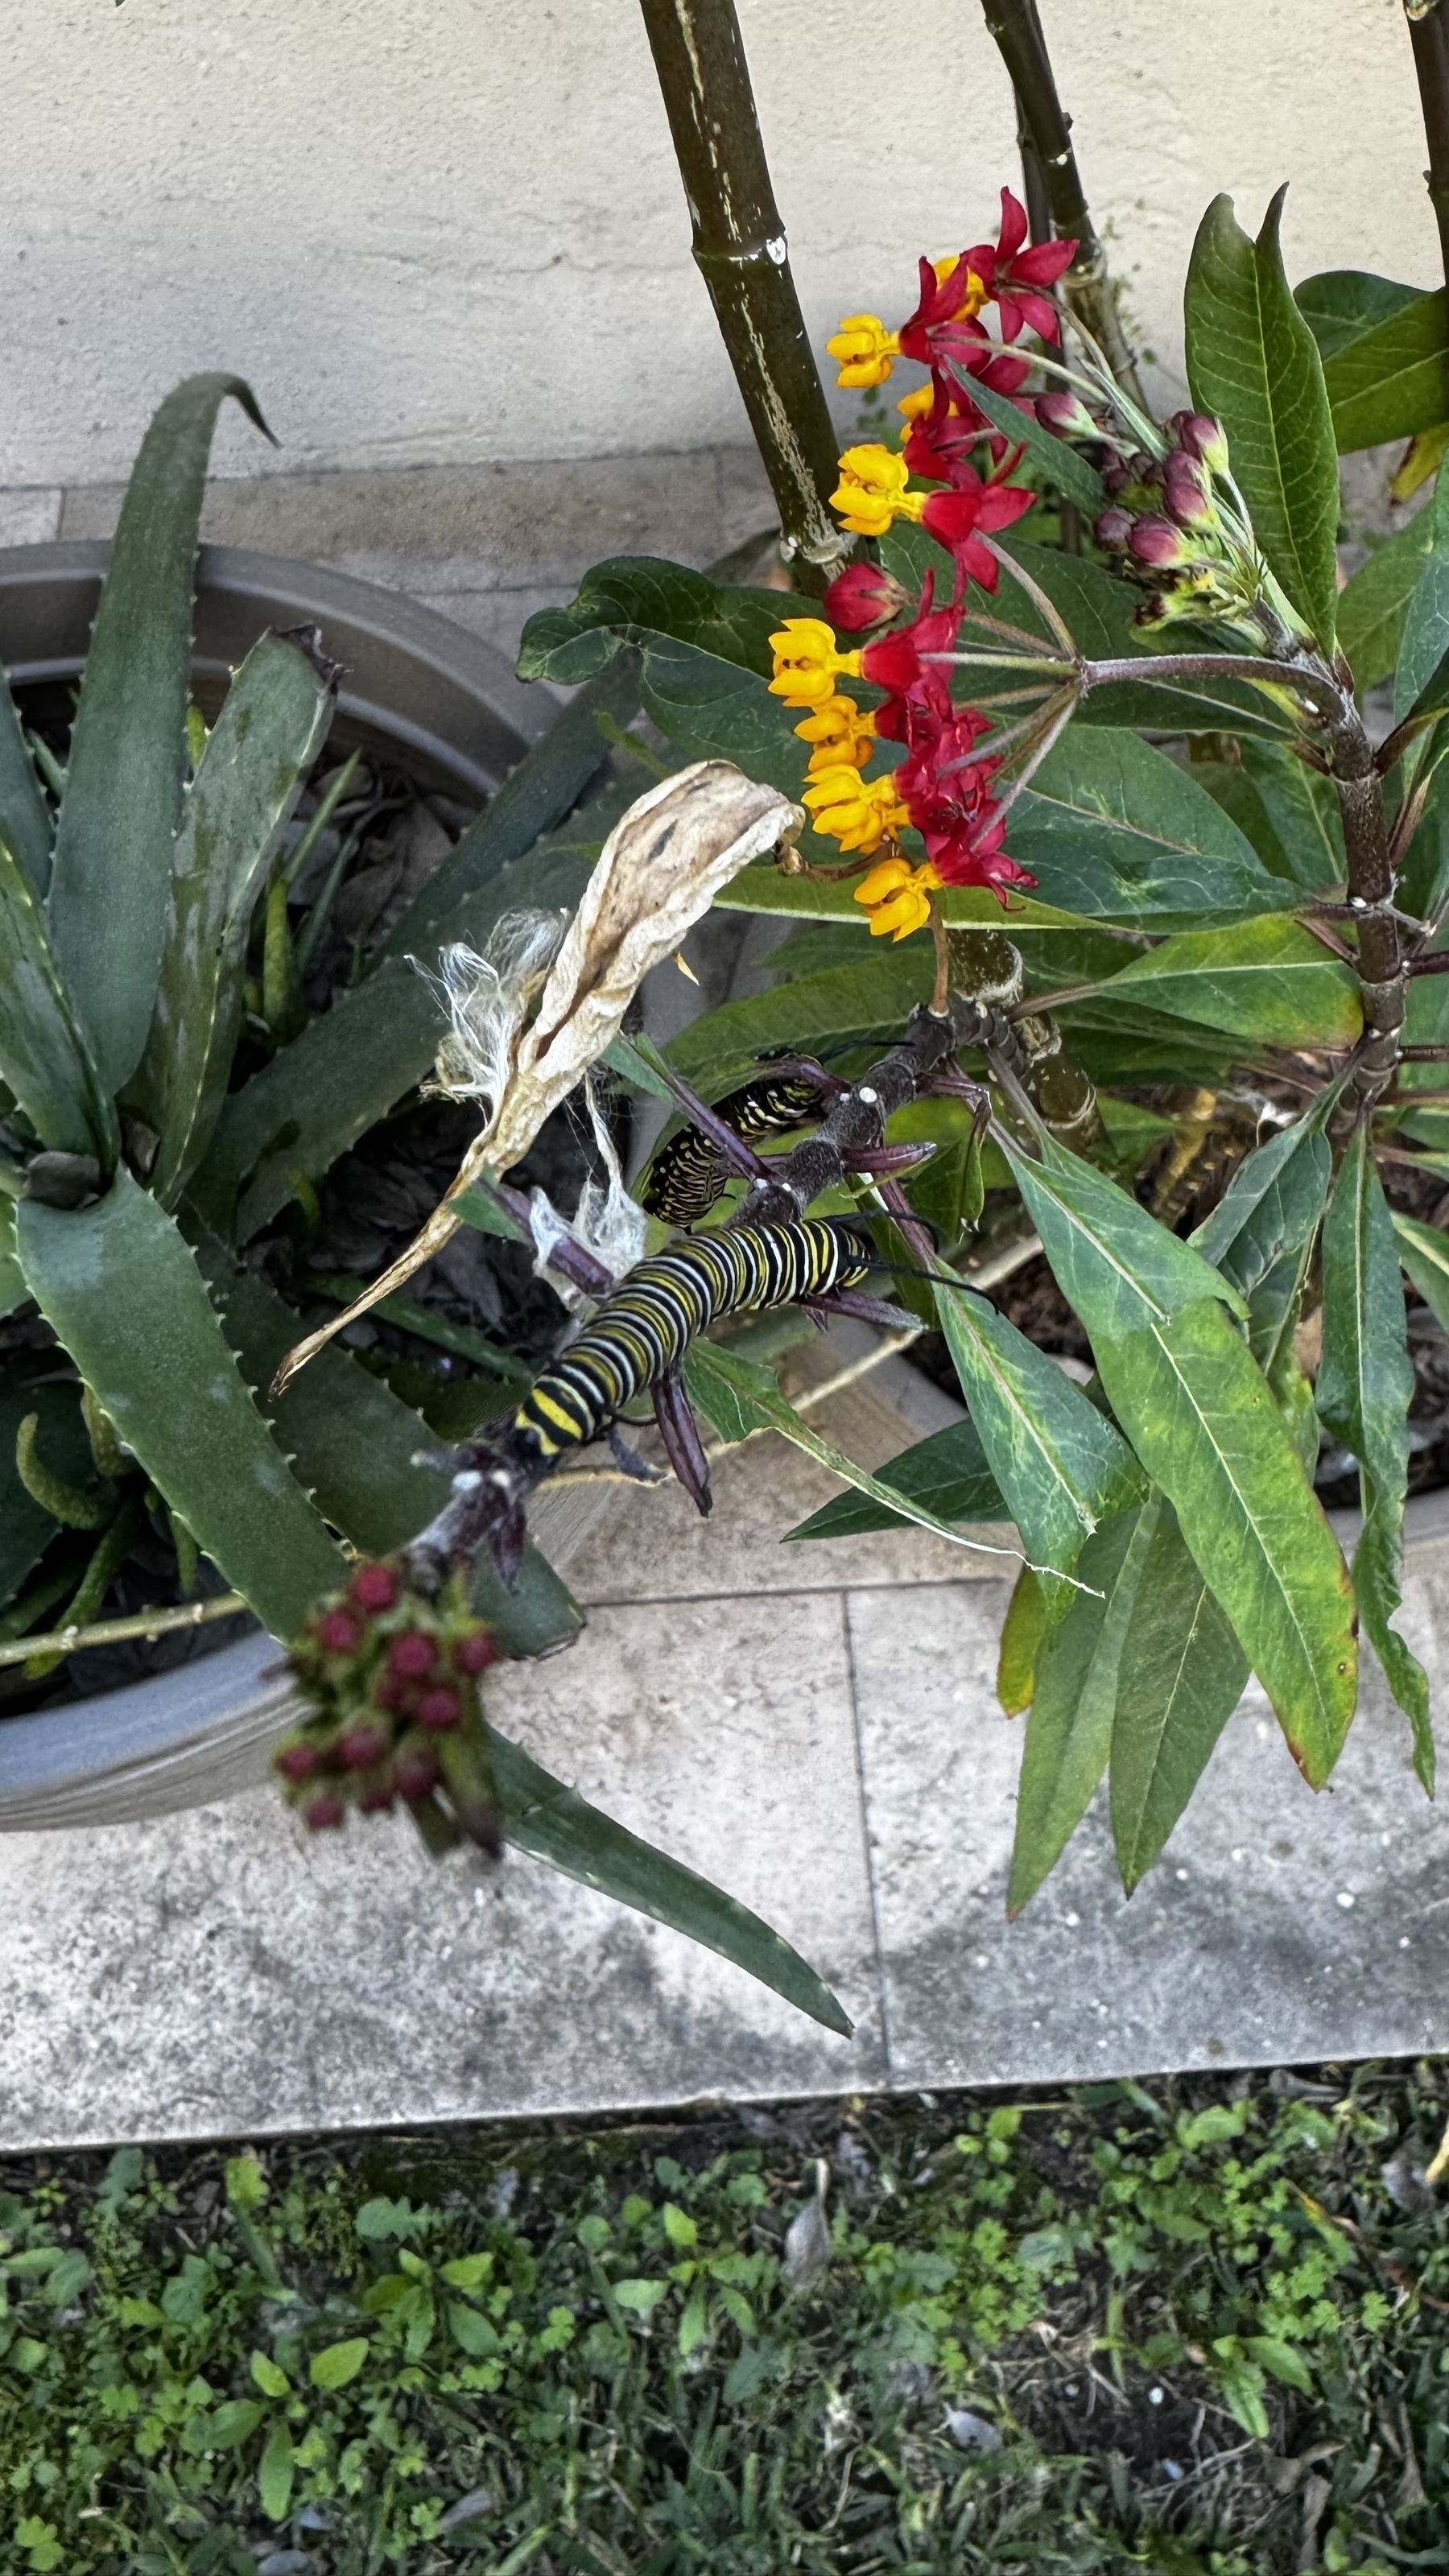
{"x": 641, "y": 1333}
{"x": 689, "y": 1173}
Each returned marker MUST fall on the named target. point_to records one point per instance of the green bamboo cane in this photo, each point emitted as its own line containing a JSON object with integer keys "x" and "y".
{"x": 1089, "y": 290}
{"x": 741, "y": 253}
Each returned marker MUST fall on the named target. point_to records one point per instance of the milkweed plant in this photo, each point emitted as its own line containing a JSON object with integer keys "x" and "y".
{"x": 1110, "y": 831}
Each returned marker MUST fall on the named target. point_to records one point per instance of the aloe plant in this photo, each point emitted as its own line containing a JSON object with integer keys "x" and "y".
{"x": 138, "y": 1162}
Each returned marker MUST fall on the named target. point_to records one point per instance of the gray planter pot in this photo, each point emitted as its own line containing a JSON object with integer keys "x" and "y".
{"x": 449, "y": 706}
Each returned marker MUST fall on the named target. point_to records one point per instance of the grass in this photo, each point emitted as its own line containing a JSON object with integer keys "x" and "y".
{"x": 1196, "y": 2327}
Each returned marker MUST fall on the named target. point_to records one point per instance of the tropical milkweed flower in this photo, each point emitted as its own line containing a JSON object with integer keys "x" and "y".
{"x": 897, "y": 897}
{"x": 864, "y": 350}
{"x": 848, "y": 810}
{"x": 840, "y": 734}
{"x": 872, "y": 491}
{"x": 807, "y": 664}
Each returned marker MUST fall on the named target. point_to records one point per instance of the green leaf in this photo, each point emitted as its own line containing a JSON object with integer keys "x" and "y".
{"x": 1425, "y": 639}
{"x": 122, "y": 803}
{"x": 1069, "y": 1730}
{"x": 274, "y": 2474}
{"x": 338, "y": 2363}
{"x": 1241, "y": 2383}
{"x": 840, "y": 1004}
{"x": 641, "y": 2298}
{"x": 765, "y": 889}
{"x": 1281, "y": 2361}
{"x": 1024, "y": 1632}
{"x": 231, "y": 2424}
{"x": 26, "y": 1528}
{"x": 128, "y": 1302}
{"x": 1389, "y": 379}
{"x": 1341, "y": 304}
{"x": 1058, "y": 1462}
{"x": 720, "y": 1372}
{"x": 1200, "y": 1416}
{"x": 1365, "y": 1388}
{"x": 351, "y": 1066}
{"x": 1424, "y": 1255}
{"x": 638, "y": 597}
{"x": 24, "y": 818}
{"x": 271, "y": 2379}
{"x": 947, "y": 1473}
{"x": 1056, "y": 462}
{"x": 1302, "y": 809}
{"x": 1269, "y": 980}
{"x": 1252, "y": 359}
{"x": 1373, "y": 603}
{"x": 44, "y": 1059}
{"x": 1115, "y": 831}
{"x": 270, "y": 729}
{"x": 711, "y": 709}
{"x": 1262, "y": 1231}
{"x": 556, "y": 1825}
{"x": 1180, "y": 1675}
{"x": 1113, "y": 1262}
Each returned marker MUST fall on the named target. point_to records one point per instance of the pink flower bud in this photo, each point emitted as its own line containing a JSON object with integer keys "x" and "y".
{"x": 1158, "y": 543}
{"x": 437, "y": 1710}
{"x": 377, "y": 1797}
{"x": 338, "y": 1632}
{"x": 415, "y": 1768}
{"x": 322, "y": 1812}
{"x": 864, "y": 595}
{"x": 390, "y": 1695}
{"x": 1186, "y": 493}
{"x": 1114, "y": 527}
{"x": 373, "y": 1587}
{"x": 362, "y": 1743}
{"x": 412, "y": 1654}
{"x": 296, "y": 1761}
{"x": 1199, "y": 435}
{"x": 475, "y": 1652}
{"x": 1065, "y": 416}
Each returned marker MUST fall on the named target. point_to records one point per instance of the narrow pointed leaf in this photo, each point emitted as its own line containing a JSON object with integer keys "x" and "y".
{"x": 1069, "y": 1730}
{"x": 1115, "y": 831}
{"x": 1114, "y": 1263}
{"x": 13, "y": 1291}
{"x": 1057, "y": 1461}
{"x": 1180, "y": 1675}
{"x": 1268, "y": 980}
{"x": 25, "y": 826}
{"x": 1374, "y": 603}
{"x": 1365, "y": 1388}
{"x": 1252, "y": 360}
{"x": 1424, "y": 1253}
{"x": 1302, "y": 808}
{"x": 1057, "y": 464}
{"x": 128, "y": 1302}
{"x": 948, "y": 1473}
{"x": 1388, "y": 374}
{"x": 556, "y": 1825}
{"x": 122, "y": 802}
{"x": 269, "y": 731}
{"x": 1425, "y": 639}
{"x": 1023, "y": 1633}
{"x": 44, "y": 1060}
{"x": 1261, "y": 1235}
{"x": 831, "y": 1008}
{"x": 1200, "y": 1416}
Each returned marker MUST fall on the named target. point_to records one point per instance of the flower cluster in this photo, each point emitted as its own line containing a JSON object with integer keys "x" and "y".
{"x": 942, "y": 788}
{"x": 1166, "y": 520}
{"x": 392, "y": 1676}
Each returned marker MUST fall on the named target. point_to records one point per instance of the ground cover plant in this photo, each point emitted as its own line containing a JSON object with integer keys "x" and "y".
{"x": 1194, "y": 2326}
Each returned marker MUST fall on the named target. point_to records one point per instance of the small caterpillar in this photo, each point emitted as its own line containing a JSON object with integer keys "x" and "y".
{"x": 641, "y": 1333}
{"x": 689, "y": 1173}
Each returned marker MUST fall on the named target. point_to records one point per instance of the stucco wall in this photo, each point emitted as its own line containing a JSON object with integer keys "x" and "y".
{"x": 451, "y": 230}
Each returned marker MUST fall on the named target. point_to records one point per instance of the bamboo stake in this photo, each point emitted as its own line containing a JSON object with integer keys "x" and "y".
{"x": 741, "y": 253}
{"x": 1429, "y": 36}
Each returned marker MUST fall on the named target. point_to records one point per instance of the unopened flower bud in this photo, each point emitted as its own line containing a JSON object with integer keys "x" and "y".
{"x": 296, "y": 1761}
{"x": 1199, "y": 435}
{"x": 1186, "y": 493}
{"x": 415, "y": 1768}
{"x": 390, "y": 1695}
{"x": 338, "y": 1632}
{"x": 411, "y": 1655}
{"x": 362, "y": 1743}
{"x": 437, "y": 1709}
{"x": 1113, "y": 529}
{"x": 373, "y": 1587}
{"x": 1158, "y": 543}
{"x": 322, "y": 1812}
{"x": 378, "y": 1796}
{"x": 475, "y": 1652}
{"x": 1066, "y": 416}
{"x": 864, "y": 595}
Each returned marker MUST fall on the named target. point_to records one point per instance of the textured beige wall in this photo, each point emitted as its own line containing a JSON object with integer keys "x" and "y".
{"x": 451, "y": 230}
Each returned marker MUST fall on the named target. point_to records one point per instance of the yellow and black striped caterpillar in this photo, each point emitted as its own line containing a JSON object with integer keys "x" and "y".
{"x": 640, "y": 1334}
{"x": 689, "y": 1173}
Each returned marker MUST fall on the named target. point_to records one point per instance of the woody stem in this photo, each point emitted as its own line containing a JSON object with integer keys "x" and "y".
{"x": 740, "y": 251}
{"x": 1429, "y": 36}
